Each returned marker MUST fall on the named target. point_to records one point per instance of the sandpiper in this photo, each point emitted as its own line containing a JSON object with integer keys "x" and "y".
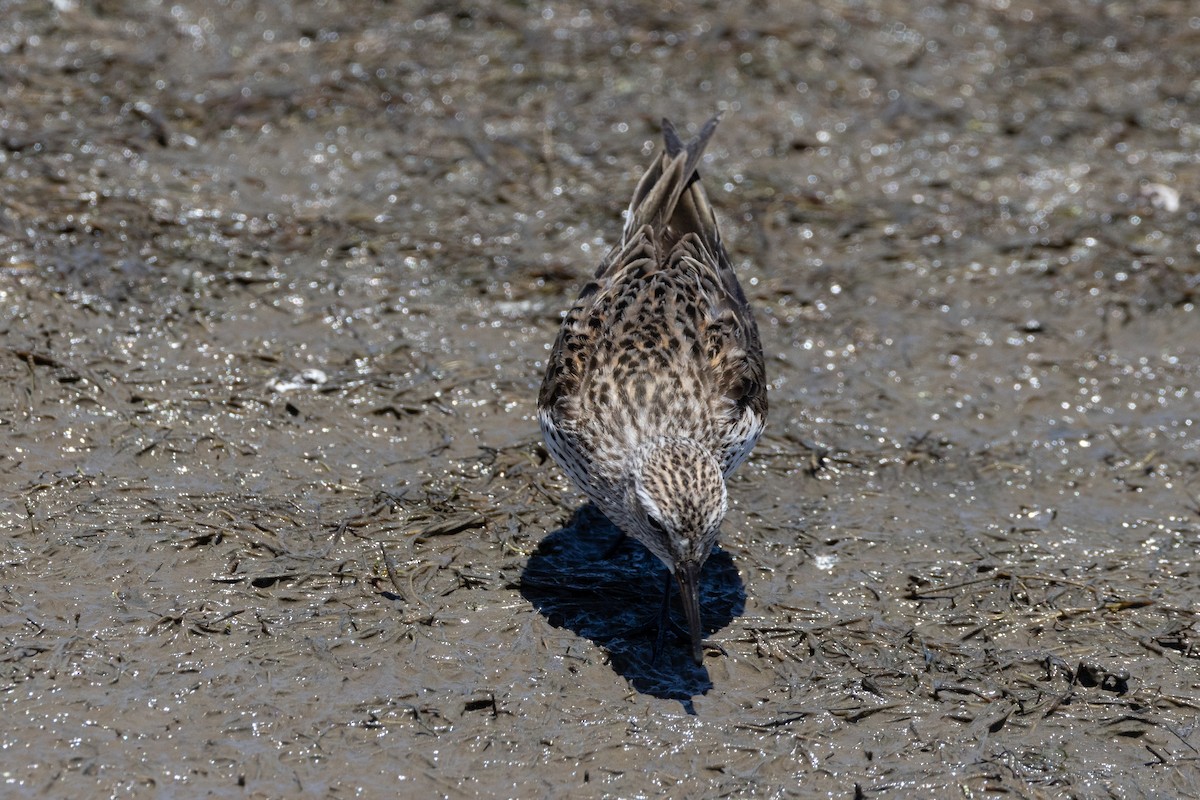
{"x": 655, "y": 390}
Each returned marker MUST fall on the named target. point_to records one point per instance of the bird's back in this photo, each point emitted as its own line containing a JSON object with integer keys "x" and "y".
{"x": 661, "y": 343}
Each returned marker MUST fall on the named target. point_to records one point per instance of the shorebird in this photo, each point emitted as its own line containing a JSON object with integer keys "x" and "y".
{"x": 655, "y": 389}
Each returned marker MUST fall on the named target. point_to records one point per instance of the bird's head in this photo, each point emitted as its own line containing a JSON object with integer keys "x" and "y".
{"x": 677, "y": 503}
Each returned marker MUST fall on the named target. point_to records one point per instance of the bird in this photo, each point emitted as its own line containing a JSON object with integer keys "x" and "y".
{"x": 655, "y": 387}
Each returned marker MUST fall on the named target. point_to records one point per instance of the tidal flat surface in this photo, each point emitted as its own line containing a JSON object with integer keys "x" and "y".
{"x": 277, "y": 283}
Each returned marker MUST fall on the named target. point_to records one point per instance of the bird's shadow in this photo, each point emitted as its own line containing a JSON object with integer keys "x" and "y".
{"x": 578, "y": 580}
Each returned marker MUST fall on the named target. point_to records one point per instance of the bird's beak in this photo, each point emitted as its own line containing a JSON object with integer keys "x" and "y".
{"x": 688, "y": 576}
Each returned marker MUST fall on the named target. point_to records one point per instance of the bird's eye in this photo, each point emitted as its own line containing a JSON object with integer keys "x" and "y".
{"x": 656, "y": 526}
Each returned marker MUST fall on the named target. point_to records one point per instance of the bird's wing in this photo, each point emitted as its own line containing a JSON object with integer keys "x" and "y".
{"x": 670, "y": 226}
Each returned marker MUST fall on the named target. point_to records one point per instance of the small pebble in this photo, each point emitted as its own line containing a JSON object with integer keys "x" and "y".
{"x": 1161, "y": 196}
{"x": 308, "y": 379}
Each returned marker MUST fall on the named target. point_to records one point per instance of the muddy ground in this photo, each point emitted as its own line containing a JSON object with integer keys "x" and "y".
{"x": 277, "y": 283}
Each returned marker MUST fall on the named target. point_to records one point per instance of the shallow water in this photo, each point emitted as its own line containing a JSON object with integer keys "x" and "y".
{"x": 961, "y": 559}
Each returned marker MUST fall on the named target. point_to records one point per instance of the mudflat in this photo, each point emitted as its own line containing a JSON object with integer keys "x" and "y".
{"x": 277, "y": 286}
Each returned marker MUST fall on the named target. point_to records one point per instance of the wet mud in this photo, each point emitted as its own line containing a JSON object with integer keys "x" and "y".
{"x": 277, "y": 283}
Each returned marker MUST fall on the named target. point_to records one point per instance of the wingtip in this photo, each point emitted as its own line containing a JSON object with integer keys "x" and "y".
{"x": 671, "y": 138}
{"x": 671, "y": 133}
{"x": 710, "y": 126}
{"x": 694, "y": 146}
{"x": 666, "y": 180}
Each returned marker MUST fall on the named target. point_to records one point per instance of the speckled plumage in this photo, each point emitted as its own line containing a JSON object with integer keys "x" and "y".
{"x": 655, "y": 389}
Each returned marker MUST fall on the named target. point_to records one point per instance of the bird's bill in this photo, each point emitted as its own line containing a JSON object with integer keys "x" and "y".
{"x": 688, "y": 576}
